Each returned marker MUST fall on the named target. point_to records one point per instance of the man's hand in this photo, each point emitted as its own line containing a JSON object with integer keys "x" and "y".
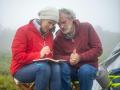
{"x": 74, "y": 58}
{"x": 45, "y": 51}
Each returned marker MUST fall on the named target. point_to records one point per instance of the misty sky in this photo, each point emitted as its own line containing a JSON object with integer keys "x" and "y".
{"x": 105, "y": 13}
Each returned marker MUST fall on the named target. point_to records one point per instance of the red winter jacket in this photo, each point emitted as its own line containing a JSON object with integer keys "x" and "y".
{"x": 27, "y": 45}
{"x": 86, "y": 41}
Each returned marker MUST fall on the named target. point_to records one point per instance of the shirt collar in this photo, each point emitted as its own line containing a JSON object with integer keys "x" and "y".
{"x": 36, "y": 23}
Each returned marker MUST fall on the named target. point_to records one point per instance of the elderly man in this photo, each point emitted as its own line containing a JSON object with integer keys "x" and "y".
{"x": 79, "y": 44}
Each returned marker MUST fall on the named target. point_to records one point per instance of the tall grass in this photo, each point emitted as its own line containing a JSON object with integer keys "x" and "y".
{"x": 6, "y": 80}
{"x": 6, "y": 83}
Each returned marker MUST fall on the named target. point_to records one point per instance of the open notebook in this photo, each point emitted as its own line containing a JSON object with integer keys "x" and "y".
{"x": 49, "y": 60}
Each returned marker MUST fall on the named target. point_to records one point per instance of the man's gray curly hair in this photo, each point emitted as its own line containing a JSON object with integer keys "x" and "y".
{"x": 69, "y": 13}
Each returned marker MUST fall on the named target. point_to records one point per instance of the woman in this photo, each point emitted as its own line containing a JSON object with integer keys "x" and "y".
{"x": 35, "y": 41}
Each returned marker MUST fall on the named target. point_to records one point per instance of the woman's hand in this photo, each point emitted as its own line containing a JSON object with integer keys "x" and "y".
{"x": 45, "y": 51}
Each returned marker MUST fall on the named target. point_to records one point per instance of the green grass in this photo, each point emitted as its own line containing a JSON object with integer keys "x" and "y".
{"x": 6, "y": 80}
{"x": 5, "y": 60}
{"x": 7, "y": 83}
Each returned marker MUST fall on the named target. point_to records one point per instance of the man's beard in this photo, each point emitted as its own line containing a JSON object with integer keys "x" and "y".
{"x": 69, "y": 32}
{"x": 67, "y": 29}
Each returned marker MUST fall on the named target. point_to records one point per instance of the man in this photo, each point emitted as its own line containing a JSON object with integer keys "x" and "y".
{"x": 79, "y": 44}
{"x": 35, "y": 41}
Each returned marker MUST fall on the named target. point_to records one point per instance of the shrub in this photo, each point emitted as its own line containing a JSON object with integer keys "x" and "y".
{"x": 6, "y": 83}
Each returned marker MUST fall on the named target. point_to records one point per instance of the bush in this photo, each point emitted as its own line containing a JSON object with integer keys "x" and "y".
{"x": 5, "y": 60}
{"x": 6, "y": 83}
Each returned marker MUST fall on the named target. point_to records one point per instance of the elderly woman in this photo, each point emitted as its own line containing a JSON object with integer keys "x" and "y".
{"x": 35, "y": 41}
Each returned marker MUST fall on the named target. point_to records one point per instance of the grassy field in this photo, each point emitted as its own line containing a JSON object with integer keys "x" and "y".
{"x": 6, "y": 80}
{"x": 6, "y": 83}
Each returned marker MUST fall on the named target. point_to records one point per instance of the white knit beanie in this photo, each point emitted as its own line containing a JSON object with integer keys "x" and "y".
{"x": 49, "y": 13}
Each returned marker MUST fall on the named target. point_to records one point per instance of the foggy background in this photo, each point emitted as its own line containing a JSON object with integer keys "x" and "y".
{"x": 104, "y": 15}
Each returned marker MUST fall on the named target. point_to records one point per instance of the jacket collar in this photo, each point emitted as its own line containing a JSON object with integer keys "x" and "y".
{"x": 34, "y": 24}
{"x": 77, "y": 26}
